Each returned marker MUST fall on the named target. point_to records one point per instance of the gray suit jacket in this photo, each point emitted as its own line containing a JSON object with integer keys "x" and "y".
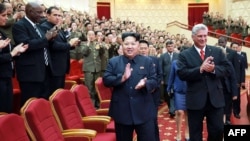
{"x": 165, "y": 63}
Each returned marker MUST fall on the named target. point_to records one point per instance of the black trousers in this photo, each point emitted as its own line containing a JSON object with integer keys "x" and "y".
{"x": 144, "y": 131}
{"x": 6, "y": 95}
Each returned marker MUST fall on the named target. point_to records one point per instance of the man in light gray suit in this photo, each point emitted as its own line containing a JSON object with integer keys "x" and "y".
{"x": 165, "y": 62}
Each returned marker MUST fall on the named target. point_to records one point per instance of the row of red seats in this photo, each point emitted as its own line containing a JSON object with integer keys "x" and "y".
{"x": 60, "y": 114}
{"x": 75, "y": 76}
{"x": 234, "y": 37}
{"x": 75, "y": 72}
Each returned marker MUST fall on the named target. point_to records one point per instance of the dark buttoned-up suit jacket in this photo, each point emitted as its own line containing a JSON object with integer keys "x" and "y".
{"x": 30, "y": 66}
{"x": 202, "y": 86}
{"x": 59, "y": 50}
{"x": 130, "y": 106}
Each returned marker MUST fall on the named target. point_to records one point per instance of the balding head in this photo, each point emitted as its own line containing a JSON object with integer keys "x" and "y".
{"x": 34, "y": 11}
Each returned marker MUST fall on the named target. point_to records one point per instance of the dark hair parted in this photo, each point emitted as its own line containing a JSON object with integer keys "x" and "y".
{"x": 170, "y": 42}
{"x": 2, "y": 8}
{"x": 131, "y": 34}
{"x": 49, "y": 10}
{"x": 234, "y": 43}
{"x": 144, "y": 41}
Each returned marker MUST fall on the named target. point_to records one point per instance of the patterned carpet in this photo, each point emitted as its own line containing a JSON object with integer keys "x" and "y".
{"x": 167, "y": 125}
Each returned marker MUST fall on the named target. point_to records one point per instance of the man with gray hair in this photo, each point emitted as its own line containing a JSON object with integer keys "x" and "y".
{"x": 202, "y": 66}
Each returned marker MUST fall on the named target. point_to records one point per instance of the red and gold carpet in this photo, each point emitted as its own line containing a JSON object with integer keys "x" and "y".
{"x": 167, "y": 125}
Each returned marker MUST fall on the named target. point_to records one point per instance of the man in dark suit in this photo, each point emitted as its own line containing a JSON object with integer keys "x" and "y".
{"x": 59, "y": 49}
{"x": 233, "y": 57}
{"x": 165, "y": 62}
{"x": 204, "y": 89}
{"x": 133, "y": 79}
{"x": 244, "y": 60}
{"x": 33, "y": 66}
{"x": 144, "y": 50}
{"x": 241, "y": 74}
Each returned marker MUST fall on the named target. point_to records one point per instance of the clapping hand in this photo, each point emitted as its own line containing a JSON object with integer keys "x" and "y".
{"x": 141, "y": 84}
{"x": 207, "y": 65}
{"x": 52, "y": 33}
{"x": 127, "y": 72}
{"x": 19, "y": 49}
{"x": 4, "y": 43}
{"x": 74, "y": 42}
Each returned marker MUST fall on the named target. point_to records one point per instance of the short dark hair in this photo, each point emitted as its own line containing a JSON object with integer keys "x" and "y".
{"x": 170, "y": 42}
{"x": 144, "y": 41}
{"x": 49, "y": 10}
{"x": 133, "y": 34}
{"x": 2, "y": 8}
{"x": 234, "y": 43}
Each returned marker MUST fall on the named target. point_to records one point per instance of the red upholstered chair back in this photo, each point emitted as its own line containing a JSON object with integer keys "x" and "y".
{"x": 65, "y": 109}
{"x": 40, "y": 121}
{"x": 247, "y": 41}
{"x": 12, "y": 128}
{"x": 83, "y": 100}
{"x": 104, "y": 93}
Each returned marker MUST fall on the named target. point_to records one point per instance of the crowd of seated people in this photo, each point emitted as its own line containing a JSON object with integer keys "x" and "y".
{"x": 230, "y": 25}
{"x": 108, "y": 32}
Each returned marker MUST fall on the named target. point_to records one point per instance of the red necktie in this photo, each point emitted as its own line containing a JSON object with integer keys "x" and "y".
{"x": 202, "y": 55}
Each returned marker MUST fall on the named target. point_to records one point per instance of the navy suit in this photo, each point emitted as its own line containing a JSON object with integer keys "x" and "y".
{"x": 204, "y": 92}
{"x": 32, "y": 73}
{"x": 230, "y": 88}
{"x": 130, "y": 107}
{"x": 244, "y": 56}
{"x": 6, "y": 72}
{"x": 60, "y": 57}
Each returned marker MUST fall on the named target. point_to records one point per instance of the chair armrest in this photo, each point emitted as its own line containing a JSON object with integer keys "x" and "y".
{"x": 99, "y": 116}
{"x": 105, "y": 101}
{"x": 104, "y": 104}
{"x": 96, "y": 123}
{"x": 102, "y": 111}
{"x": 79, "y": 133}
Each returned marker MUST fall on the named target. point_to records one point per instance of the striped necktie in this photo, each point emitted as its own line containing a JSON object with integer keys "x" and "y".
{"x": 46, "y": 60}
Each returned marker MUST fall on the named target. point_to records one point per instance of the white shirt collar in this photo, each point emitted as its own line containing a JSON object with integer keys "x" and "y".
{"x": 33, "y": 24}
{"x": 198, "y": 49}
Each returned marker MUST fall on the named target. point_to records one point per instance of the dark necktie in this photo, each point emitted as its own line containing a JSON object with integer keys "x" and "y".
{"x": 202, "y": 54}
{"x": 45, "y": 50}
{"x": 171, "y": 56}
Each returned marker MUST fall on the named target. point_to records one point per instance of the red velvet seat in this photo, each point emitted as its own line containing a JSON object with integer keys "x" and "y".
{"x": 69, "y": 83}
{"x": 16, "y": 96}
{"x": 42, "y": 125}
{"x": 86, "y": 106}
{"x": 104, "y": 93}
{"x": 236, "y": 38}
{"x": 247, "y": 41}
{"x": 220, "y": 32}
{"x": 12, "y": 128}
{"x": 68, "y": 116}
{"x": 75, "y": 72}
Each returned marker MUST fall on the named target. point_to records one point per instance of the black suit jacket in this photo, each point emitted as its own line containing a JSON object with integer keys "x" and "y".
{"x": 30, "y": 65}
{"x": 5, "y": 60}
{"x": 234, "y": 58}
{"x": 202, "y": 86}
{"x": 244, "y": 56}
{"x": 59, "y": 51}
